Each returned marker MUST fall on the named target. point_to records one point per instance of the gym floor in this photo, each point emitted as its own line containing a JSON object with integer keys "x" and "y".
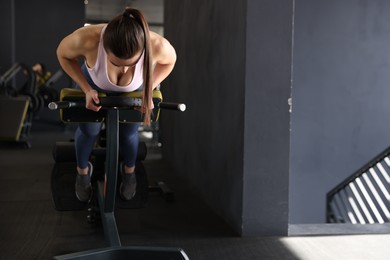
{"x": 30, "y": 227}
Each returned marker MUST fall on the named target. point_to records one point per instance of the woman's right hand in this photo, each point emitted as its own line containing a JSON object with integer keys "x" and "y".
{"x": 91, "y": 100}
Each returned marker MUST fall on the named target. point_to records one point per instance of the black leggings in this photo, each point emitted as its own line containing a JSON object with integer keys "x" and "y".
{"x": 87, "y": 133}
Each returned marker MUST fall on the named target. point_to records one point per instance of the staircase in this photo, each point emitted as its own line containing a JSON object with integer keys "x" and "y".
{"x": 364, "y": 197}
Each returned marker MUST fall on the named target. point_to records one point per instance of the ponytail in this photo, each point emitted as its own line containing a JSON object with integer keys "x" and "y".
{"x": 147, "y": 70}
{"x": 125, "y": 35}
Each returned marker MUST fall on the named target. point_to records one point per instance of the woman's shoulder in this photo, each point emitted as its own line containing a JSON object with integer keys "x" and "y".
{"x": 157, "y": 40}
{"x": 88, "y": 37}
{"x": 162, "y": 48}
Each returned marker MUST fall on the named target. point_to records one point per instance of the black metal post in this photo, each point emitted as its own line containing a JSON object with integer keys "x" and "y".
{"x": 107, "y": 197}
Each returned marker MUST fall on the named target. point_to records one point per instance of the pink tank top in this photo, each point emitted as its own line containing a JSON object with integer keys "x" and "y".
{"x": 99, "y": 74}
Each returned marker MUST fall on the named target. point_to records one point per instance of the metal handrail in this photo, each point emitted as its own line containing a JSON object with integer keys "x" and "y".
{"x": 361, "y": 197}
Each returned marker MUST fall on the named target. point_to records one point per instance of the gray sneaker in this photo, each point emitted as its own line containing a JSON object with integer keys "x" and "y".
{"x": 128, "y": 186}
{"x": 83, "y": 185}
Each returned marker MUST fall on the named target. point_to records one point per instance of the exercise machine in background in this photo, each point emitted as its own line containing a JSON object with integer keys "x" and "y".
{"x": 17, "y": 104}
{"x": 22, "y": 98}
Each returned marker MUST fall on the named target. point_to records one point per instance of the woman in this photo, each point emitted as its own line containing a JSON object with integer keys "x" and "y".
{"x": 121, "y": 56}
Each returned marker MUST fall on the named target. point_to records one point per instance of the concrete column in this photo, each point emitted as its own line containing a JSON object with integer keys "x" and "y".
{"x": 267, "y": 118}
{"x": 234, "y": 74}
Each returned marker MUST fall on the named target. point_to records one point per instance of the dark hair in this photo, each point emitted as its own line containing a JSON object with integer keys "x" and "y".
{"x": 125, "y": 36}
{"x": 43, "y": 66}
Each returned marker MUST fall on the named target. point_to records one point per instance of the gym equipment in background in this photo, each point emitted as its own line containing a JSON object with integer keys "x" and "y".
{"x": 18, "y": 104}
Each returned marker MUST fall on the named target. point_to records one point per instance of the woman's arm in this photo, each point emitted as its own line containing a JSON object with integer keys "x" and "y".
{"x": 164, "y": 57}
{"x": 70, "y": 49}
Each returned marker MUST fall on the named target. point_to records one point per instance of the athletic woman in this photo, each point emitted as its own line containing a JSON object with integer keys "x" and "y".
{"x": 121, "y": 56}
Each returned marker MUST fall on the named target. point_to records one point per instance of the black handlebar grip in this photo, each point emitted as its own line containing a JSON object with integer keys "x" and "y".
{"x": 173, "y": 106}
{"x": 61, "y": 104}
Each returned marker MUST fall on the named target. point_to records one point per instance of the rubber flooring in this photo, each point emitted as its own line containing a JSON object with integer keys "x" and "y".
{"x": 31, "y": 228}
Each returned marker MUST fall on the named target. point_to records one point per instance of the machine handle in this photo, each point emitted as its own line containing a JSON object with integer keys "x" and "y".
{"x": 103, "y": 102}
{"x": 172, "y": 106}
{"x": 63, "y": 104}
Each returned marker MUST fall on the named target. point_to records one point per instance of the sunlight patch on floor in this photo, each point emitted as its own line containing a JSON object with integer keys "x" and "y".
{"x": 352, "y": 247}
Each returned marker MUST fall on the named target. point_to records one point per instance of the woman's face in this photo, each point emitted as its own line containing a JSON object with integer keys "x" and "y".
{"x": 117, "y": 62}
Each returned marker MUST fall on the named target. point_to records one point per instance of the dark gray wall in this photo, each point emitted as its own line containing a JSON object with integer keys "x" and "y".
{"x": 267, "y": 117}
{"x": 340, "y": 97}
{"x": 206, "y": 143}
{"x": 6, "y": 42}
{"x": 38, "y": 27}
{"x": 233, "y": 72}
